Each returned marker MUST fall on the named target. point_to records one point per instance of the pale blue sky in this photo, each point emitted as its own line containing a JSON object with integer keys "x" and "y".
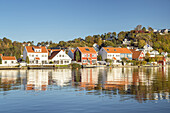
{"x": 56, "y": 20}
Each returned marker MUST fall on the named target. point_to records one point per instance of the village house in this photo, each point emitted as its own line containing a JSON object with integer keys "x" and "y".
{"x": 59, "y": 57}
{"x": 35, "y": 54}
{"x": 71, "y": 53}
{"x": 85, "y": 55}
{"x": 115, "y": 54}
{"x": 137, "y": 55}
{"x": 8, "y": 59}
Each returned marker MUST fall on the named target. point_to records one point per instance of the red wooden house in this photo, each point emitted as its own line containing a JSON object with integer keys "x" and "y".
{"x": 85, "y": 55}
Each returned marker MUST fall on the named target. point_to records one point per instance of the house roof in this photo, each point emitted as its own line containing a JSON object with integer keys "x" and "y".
{"x": 135, "y": 54}
{"x": 1, "y": 55}
{"x": 87, "y": 50}
{"x": 8, "y": 57}
{"x": 30, "y": 49}
{"x": 116, "y": 50}
{"x": 72, "y": 50}
{"x": 53, "y": 54}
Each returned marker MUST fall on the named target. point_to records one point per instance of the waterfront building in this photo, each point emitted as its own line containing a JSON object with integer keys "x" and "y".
{"x": 59, "y": 57}
{"x": 137, "y": 55}
{"x": 85, "y": 55}
{"x": 71, "y": 53}
{"x": 115, "y": 54}
{"x": 35, "y": 54}
{"x": 8, "y": 59}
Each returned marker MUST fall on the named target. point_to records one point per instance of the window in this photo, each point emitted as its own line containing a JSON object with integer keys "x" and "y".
{"x": 36, "y": 55}
{"x": 42, "y": 55}
{"x": 87, "y": 49}
{"x": 114, "y": 49}
{"x": 84, "y": 61}
{"x": 85, "y": 55}
{"x": 107, "y": 49}
{"x": 12, "y": 62}
{"x": 67, "y": 61}
{"x": 32, "y": 55}
{"x": 45, "y": 55}
{"x": 62, "y": 55}
{"x": 93, "y": 55}
{"x": 29, "y": 54}
{"x": 5, "y": 62}
{"x": 59, "y": 55}
{"x": 88, "y": 55}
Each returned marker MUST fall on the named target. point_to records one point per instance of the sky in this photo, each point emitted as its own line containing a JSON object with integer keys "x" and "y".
{"x": 63, "y": 20}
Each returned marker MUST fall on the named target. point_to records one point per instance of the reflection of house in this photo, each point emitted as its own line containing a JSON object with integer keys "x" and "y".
{"x": 9, "y": 77}
{"x": 8, "y": 59}
{"x": 59, "y": 57}
{"x": 85, "y": 55}
{"x": 71, "y": 53}
{"x": 115, "y": 54}
{"x": 118, "y": 78}
{"x": 37, "y": 80}
{"x": 36, "y": 55}
{"x": 61, "y": 77}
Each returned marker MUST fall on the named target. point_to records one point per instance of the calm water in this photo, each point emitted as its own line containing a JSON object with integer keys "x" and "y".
{"x": 85, "y": 90}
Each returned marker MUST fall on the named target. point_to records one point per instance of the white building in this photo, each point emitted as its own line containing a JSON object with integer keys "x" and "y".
{"x": 126, "y": 42}
{"x": 71, "y": 53}
{"x": 8, "y": 60}
{"x": 96, "y": 47}
{"x": 115, "y": 54}
{"x": 36, "y": 55}
{"x": 59, "y": 57}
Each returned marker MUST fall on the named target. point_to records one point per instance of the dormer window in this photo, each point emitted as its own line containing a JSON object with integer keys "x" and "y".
{"x": 114, "y": 49}
{"x": 107, "y": 49}
{"x": 37, "y": 49}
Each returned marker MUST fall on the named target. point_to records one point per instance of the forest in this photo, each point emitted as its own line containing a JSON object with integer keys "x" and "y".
{"x": 137, "y": 37}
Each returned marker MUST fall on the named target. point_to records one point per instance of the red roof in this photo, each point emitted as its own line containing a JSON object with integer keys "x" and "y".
{"x": 31, "y": 50}
{"x": 135, "y": 54}
{"x": 72, "y": 50}
{"x": 87, "y": 50}
{"x": 8, "y": 58}
{"x": 116, "y": 50}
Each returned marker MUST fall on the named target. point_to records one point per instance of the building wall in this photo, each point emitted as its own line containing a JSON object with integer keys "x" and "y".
{"x": 61, "y": 59}
{"x": 9, "y": 61}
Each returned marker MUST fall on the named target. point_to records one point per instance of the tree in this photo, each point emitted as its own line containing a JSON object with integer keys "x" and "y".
{"x": 138, "y": 27}
{"x": 150, "y": 29}
{"x": 99, "y": 57}
{"x": 144, "y": 29}
{"x": 141, "y": 43}
{"x": 77, "y": 56}
{"x": 27, "y": 60}
{"x": 108, "y": 43}
{"x": 0, "y": 60}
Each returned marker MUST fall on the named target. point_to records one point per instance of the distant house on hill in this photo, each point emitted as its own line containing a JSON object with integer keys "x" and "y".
{"x": 137, "y": 55}
{"x": 85, "y": 55}
{"x": 126, "y": 42}
{"x": 115, "y": 54}
{"x": 26, "y": 44}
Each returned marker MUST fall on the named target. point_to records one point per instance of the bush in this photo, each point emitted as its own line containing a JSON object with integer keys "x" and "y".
{"x": 75, "y": 66}
{"x": 51, "y": 62}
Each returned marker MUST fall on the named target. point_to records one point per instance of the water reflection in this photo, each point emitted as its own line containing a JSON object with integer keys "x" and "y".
{"x": 140, "y": 84}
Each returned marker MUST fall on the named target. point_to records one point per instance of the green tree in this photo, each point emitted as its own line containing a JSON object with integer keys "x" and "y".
{"x": 141, "y": 43}
{"x": 0, "y": 60}
{"x": 27, "y": 60}
{"x": 99, "y": 57}
{"x": 108, "y": 43}
{"x": 144, "y": 29}
{"x": 77, "y": 56}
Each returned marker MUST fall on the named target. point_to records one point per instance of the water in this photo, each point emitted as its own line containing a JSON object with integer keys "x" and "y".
{"x": 92, "y": 90}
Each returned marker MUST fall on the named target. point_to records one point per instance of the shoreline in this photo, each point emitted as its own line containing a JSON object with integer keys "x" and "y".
{"x": 68, "y": 67}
